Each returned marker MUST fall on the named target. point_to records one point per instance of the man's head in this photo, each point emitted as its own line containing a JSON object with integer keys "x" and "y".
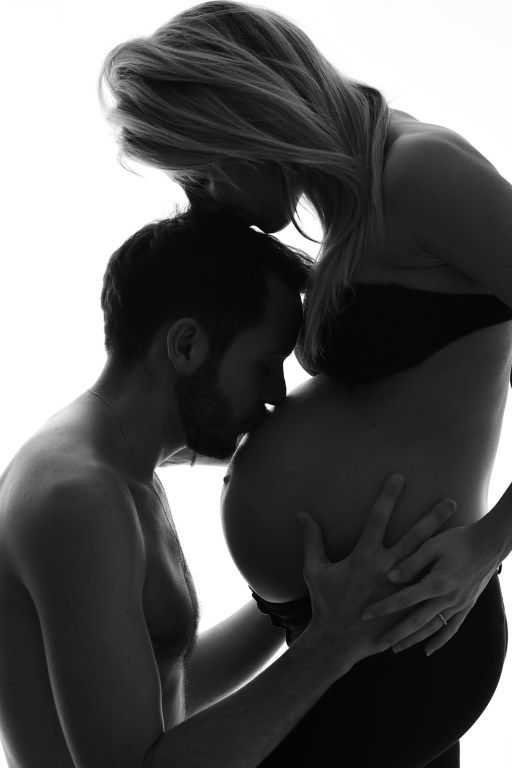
{"x": 213, "y": 307}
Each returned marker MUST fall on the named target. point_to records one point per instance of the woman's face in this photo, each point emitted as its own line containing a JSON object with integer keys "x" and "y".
{"x": 260, "y": 199}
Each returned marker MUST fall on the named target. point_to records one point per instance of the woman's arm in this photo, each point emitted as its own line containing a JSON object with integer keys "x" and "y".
{"x": 459, "y": 564}
{"x": 495, "y": 527}
{"x": 455, "y": 204}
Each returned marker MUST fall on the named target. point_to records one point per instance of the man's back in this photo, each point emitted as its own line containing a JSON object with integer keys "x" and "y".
{"x": 92, "y": 578}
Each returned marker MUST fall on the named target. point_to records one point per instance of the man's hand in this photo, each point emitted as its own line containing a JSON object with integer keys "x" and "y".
{"x": 340, "y": 590}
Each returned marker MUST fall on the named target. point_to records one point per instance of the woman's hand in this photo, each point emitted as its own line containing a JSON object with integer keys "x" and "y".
{"x": 460, "y": 564}
{"x": 340, "y": 590}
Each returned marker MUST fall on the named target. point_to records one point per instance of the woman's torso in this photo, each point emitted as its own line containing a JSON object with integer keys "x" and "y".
{"x": 330, "y": 446}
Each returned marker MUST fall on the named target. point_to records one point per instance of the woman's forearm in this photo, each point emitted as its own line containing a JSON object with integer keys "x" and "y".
{"x": 496, "y": 527}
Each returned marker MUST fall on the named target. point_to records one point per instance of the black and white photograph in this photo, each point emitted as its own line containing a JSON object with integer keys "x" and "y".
{"x": 256, "y": 323}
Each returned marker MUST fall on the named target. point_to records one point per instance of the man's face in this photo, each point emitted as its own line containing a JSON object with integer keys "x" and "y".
{"x": 227, "y": 398}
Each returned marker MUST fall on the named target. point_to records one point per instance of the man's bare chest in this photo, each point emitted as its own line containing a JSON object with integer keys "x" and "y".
{"x": 169, "y": 597}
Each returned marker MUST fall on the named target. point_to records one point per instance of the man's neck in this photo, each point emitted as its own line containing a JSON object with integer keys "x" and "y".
{"x": 145, "y": 411}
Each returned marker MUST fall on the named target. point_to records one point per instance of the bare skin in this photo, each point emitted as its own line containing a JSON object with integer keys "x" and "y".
{"x": 440, "y": 421}
{"x": 79, "y": 468}
{"x": 101, "y": 665}
{"x": 66, "y": 471}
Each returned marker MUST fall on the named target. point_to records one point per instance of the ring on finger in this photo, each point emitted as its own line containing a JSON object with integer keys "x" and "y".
{"x": 423, "y": 633}
{"x": 440, "y": 615}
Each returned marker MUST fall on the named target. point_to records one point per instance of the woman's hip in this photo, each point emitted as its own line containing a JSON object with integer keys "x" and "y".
{"x": 404, "y": 710}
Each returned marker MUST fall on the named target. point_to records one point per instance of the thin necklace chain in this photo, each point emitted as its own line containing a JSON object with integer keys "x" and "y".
{"x": 92, "y": 391}
{"x": 122, "y": 427}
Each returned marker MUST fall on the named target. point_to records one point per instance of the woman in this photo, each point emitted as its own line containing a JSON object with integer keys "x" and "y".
{"x": 406, "y": 332}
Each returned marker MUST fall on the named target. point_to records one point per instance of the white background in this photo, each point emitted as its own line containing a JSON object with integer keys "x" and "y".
{"x": 69, "y": 204}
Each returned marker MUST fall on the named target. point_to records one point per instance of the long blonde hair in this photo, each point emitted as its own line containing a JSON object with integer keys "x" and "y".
{"x": 227, "y": 81}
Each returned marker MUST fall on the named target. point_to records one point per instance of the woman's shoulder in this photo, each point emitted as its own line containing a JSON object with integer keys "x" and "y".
{"x": 419, "y": 159}
{"x": 443, "y": 195}
{"x": 415, "y": 152}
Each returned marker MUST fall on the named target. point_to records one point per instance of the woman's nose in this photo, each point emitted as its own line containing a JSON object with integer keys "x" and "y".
{"x": 199, "y": 198}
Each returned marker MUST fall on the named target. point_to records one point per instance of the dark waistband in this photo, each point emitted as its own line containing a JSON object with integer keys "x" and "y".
{"x": 292, "y": 615}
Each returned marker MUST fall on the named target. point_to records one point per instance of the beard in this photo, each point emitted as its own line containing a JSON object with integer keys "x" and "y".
{"x": 206, "y": 414}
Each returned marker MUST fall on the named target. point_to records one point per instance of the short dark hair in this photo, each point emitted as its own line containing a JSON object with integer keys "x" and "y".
{"x": 208, "y": 266}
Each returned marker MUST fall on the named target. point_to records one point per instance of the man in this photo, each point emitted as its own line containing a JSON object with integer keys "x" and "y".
{"x": 100, "y": 664}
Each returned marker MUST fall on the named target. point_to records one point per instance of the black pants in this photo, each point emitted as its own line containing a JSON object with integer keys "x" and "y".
{"x": 405, "y": 710}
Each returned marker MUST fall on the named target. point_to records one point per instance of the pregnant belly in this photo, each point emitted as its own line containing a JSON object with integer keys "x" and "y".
{"x": 329, "y": 452}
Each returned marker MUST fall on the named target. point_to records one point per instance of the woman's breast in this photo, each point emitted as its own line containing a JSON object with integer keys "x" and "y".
{"x": 328, "y": 450}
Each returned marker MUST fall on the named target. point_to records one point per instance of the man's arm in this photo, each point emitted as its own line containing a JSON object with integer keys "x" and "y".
{"x": 230, "y": 654}
{"x": 241, "y": 730}
{"x": 81, "y": 556}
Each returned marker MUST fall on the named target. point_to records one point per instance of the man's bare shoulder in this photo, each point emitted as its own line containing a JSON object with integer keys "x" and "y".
{"x": 54, "y": 491}
{"x": 45, "y": 464}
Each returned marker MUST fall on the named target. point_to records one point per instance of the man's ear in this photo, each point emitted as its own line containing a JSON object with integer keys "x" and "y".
{"x": 188, "y": 345}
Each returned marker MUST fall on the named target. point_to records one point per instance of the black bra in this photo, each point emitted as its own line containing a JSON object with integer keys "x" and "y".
{"x": 387, "y": 328}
